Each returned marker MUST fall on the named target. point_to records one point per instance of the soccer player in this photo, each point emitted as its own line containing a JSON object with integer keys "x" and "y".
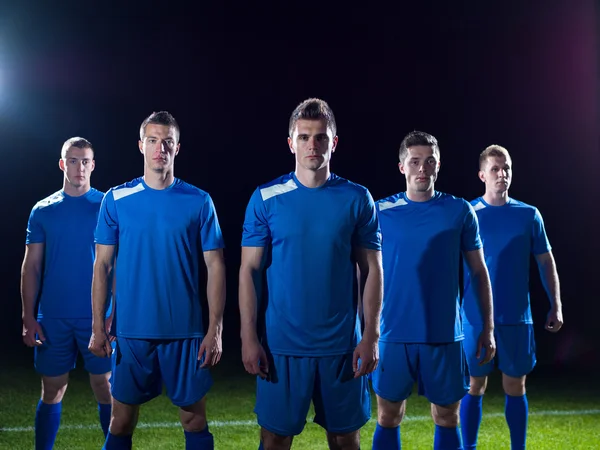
{"x": 424, "y": 233}
{"x": 59, "y": 260}
{"x": 162, "y": 227}
{"x": 308, "y": 229}
{"x": 511, "y": 231}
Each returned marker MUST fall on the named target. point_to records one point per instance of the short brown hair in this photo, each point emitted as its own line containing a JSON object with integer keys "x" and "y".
{"x": 78, "y": 142}
{"x": 493, "y": 150}
{"x": 159, "y": 118}
{"x": 313, "y": 109}
{"x": 415, "y": 138}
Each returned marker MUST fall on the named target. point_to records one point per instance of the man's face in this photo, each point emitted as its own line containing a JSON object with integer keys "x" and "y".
{"x": 420, "y": 167}
{"x": 496, "y": 173}
{"x": 312, "y": 143}
{"x": 159, "y": 147}
{"x": 78, "y": 165}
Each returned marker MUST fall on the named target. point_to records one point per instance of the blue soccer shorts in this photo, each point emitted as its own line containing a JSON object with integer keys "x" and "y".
{"x": 65, "y": 338}
{"x": 141, "y": 367}
{"x": 342, "y": 403}
{"x": 439, "y": 370}
{"x": 515, "y": 350}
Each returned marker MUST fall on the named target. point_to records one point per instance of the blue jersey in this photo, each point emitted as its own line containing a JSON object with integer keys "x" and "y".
{"x": 160, "y": 236}
{"x": 65, "y": 225}
{"x": 309, "y": 235}
{"x": 510, "y": 234}
{"x": 422, "y": 244}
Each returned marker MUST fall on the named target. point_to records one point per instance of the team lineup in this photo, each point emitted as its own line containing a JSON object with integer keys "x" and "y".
{"x": 338, "y": 294}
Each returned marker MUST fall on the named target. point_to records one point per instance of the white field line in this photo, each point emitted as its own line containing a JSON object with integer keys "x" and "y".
{"x": 252, "y": 423}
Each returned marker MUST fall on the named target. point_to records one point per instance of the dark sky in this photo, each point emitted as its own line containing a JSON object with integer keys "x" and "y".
{"x": 520, "y": 74}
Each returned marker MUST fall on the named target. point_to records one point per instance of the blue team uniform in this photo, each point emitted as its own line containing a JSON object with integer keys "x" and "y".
{"x": 311, "y": 323}
{"x": 160, "y": 236}
{"x": 65, "y": 225}
{"x": 510, "y": 234}
{"x": 421, "y": 332}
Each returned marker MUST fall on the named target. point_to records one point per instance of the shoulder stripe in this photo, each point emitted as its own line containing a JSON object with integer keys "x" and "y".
{"x": 387, "y": 205}
{"x": 54, "y": 198}
{"x": 124, "y": 192}
{"x": 478, "y": 206}
{"x": 278, "y": 189}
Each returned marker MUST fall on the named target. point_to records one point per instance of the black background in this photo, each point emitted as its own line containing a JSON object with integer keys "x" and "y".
{"x": 520, "y": 74}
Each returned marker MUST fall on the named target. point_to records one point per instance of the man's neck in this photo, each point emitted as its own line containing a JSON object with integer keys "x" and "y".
{"x": 75, "y": 191}
{"x": 313, "y": 178}
{"x": 420, "y": 196}
{"x": 158, "y": 180}
{"x": 496, "y": 198}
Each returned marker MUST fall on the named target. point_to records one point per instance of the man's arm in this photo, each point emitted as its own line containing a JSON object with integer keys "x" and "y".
{"x": 103, "y": 267}
{"x": 371, "y": 293}
{"x": 253, "y": 354}
{"x": 31, "y": 274}
{"x": 480, "y": 280}
{"x": 549, "y": 277}
{"x": 215, "y": 291}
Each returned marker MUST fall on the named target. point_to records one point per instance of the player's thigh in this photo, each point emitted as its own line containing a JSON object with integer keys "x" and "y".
{"x": 283, "y": 399}
{"x": 135, "y": 377}
{"x": 443, "y": 375}
{"x": 193, "y": 417}
{"x": 395, "y": 375}
{"x": 445, "y": 415}
{"x": 93, "y": 364}
{"x": 58, "y": 353}
{"x": 186, "y": 382}
{"x": 515, "y": 349}
{"x": 342, "y": 402}
{"x": 472, "y": 333}
{"x": 124, "y": 418}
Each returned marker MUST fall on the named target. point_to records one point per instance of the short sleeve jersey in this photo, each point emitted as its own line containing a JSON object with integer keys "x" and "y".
{"x": 511, "y": 233}
{"x": 65, "y": 225}
{"x": 309, "y": 236}
{"x": 160, "y": 236}
{"x": 422, "y": 245}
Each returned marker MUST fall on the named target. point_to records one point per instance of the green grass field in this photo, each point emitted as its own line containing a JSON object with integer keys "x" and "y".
{"x": 565, "y": 414}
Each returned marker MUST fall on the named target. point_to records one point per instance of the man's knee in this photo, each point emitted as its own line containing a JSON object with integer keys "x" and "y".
{"x": 101, "y": 387}
{"x": 390, "y": 414}
{"x": 478, "y": 386}
{"x": 124, "y": 418}
{"x": 445, "y": 416}
{"x": 272, "y": 441}
{"x": 346, "y": 441}
{"x": 54, "y": 388}
{"x": 513, "y": 386}
{"x": 193, "y": 417}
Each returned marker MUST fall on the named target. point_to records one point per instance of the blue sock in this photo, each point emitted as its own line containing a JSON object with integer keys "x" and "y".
{"x": 117, "y": 442}
{"x": 199, "y": 440}
{"x": 386, "y": 438}
{"x": 470, "y": 419}
{"x": 260, "y": 447}
{"x": 446, "y": 439}
{"x": 47, "y": 421}
{"x": 516, "y": 410}
{"x": 104, "y": 414}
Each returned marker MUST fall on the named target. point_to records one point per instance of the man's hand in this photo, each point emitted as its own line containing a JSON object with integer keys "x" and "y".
{"x": 486, "y": 343}
{"x": 107, "y": 327}
{"x": 31, "y": 327}
{"x": 100, "y": 344}
{"x": 367, "y": 351}
{"x": 254, "y": 358}
{"x": 211, "y": 348}
{"x": 554, "y": 322}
